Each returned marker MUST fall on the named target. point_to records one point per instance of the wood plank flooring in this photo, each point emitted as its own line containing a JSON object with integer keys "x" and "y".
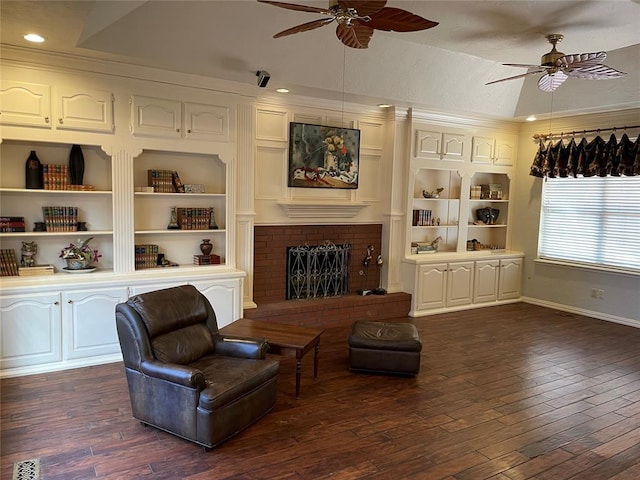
{"x": 511, "y": 392}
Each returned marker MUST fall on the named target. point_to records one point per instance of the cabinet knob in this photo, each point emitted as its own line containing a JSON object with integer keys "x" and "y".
{"x": 178, "y": 130}
{"x": 60, "y": 121}
{"x": 189, "y": 131}
{"x": 46, "y": 119}
{"x": 56, "y": 303}
{"x": 69, "y": 301}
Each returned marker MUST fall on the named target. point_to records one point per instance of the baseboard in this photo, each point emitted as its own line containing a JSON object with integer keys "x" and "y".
{"x": 58, "y": 366}
{"x": 581, "y": 311}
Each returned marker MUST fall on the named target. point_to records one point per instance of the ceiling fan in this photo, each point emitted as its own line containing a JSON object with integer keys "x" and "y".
{"x": 557, "y": 67}
{"x": 357, "y": 19}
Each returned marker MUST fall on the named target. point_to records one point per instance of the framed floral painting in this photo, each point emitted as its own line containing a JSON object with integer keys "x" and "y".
{"x": 323, "y": 157}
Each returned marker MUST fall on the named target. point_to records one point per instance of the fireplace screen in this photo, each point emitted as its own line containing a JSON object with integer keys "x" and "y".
{"x": 317, "y": 271}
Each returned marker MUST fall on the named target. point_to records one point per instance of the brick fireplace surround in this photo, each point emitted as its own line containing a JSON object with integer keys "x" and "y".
{"x": 269, "y": 283}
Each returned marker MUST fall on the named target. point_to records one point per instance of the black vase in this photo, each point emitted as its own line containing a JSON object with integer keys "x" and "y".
{"x": 33, "y": 172}
{"x": 76, "y": 165}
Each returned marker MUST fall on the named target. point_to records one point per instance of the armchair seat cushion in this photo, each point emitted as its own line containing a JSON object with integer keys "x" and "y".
{"x": 229, "y": 378}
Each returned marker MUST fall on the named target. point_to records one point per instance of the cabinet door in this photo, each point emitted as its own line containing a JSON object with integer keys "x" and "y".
{"x": 26, "y": 104}
{"x": 485, "y": 285}
{"x": 431, "y": 286}
{"x": 453, "y": 146}
{"x": 206, "y": 122}
{"x": 155, "y": 117}
{"x": 505, "y": 150}
{"x": 510, "y": 278}
{"x": 90, "y": 110}
{"x": 428, "y": 144}
{"x": 482, "y": 150}
{"x": 90, "y": 323}
{"x": 459, "y": 283}
{"x": 30, "y": 330}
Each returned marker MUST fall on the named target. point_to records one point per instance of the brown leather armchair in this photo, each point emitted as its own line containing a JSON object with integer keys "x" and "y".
{"x": 185, "y": 377}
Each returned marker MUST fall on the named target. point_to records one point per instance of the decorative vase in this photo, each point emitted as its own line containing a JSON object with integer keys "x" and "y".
{"x": 76, "y": 165}
{"x": 77, "y": 263}
{"x": 33, "y": 172}
{"x": 206, "y": 247}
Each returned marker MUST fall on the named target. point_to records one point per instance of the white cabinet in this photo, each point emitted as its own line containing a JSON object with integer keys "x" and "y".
{"x": 30, "y": 330}
{"x": 444, "y": 285}
{"x": 437, "y": 145}
{"x": 26, "y": 104}
{"x": 87, "y": 110}
{"x": 510, "y": 279}
{"x": 485, "y": 283}
{"x": 89, "y": 327}
{"x": 497, "y": 279}
{"x": 498, "y": 150}
{"x": 165, "y": 118}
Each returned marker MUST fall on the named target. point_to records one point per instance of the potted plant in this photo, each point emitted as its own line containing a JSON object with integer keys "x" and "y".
{"x": 80, "y": 256}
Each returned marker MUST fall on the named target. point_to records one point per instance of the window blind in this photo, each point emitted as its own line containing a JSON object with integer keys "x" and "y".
{"x": 594, "y": 221}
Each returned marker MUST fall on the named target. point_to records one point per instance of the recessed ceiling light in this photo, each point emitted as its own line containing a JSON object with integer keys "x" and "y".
{"x": 282, "y": 90}
{"x": 33, "y": 37}
{"x": 385, "y": 105}
{"x": 531, "y": 118}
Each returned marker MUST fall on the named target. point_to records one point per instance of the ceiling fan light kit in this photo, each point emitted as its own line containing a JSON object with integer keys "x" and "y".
{"x": 557, "y": 67}
{"x": 356, "y": 19}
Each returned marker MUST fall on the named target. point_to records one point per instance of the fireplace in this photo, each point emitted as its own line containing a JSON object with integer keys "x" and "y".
{"x": 270, "y": 284}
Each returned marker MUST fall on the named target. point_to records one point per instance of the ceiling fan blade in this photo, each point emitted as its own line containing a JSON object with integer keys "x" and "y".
{"x": 579, "y": 59}
{"x": 525, "y": 65}
{"x": 304, "y": 27}
{"x": 397, "y": 20}
{"x": 594, "y": 72}
{"x": 354, "y": 36}
{"x": 299, "y": 8}
{"x": 550, "y": 81}
{"x": 512, "y": 78}
{"x": 363, "y": 7}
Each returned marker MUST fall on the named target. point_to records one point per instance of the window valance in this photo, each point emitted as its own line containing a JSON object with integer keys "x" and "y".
{"x": 597, "y": 157}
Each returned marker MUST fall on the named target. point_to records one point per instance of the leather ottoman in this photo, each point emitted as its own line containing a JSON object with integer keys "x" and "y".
{"x": 381, "y": 347}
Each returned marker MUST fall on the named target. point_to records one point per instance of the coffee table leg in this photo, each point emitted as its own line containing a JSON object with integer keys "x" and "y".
{"x": 315, "y": 361}
{"x": 298, "y": 374}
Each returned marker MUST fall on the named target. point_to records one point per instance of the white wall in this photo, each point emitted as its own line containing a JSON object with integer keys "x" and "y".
{"x": 554, "y": 285}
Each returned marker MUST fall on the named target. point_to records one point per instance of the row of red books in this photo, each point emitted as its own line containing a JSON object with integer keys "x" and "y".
{"x": 206, "y": 259}
{"x": 194, "y": 218}
{"x": 12, "y": 224}
{"x": 165, "y": 181}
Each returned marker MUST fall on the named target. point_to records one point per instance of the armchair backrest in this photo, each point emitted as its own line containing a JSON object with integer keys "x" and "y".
{"x": 173, "y": 325}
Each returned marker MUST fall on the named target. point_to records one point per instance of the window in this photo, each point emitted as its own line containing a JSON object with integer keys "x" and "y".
{"x": 593, "y": 221}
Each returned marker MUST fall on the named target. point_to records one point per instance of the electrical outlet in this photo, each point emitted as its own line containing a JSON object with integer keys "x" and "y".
{"x": 594, "y": 293}
{"x": 600, "y": 294}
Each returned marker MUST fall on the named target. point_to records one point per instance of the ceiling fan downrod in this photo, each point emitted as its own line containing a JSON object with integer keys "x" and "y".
{"x": 549, "y": 59}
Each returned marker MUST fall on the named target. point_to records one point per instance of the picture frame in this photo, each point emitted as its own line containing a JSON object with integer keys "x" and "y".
{"x": 322, "y": 156}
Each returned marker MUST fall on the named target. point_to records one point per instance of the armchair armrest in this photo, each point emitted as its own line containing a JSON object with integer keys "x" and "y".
{"x": 241, "y": 347}
{"x": 171, "y": 372}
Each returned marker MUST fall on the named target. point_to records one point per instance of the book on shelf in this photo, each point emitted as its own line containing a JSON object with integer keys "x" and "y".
{"x": 81, "y": 188}
{"x": 55, "y": 177}
{"x": 177, "y": 183}
{"x": 146, "y": 256}
{"x": 60, "y": 219}
{"x": 422, "y": 218}
{"x": 12, "y": 224}
{"x": 491, "y": 191}
{"x": 8, "y": 263}
{"x": 36, "y": 270}
{"x": 193, "y": 218}
{"x": 161, "y": 181}
{"x": 206, "y": 259}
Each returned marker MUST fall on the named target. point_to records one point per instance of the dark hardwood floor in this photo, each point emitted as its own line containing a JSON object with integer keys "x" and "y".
{"x": 505, "y": 393}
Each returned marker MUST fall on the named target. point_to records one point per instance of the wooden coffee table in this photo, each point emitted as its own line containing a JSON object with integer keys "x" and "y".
{"x": 290, "y": 340}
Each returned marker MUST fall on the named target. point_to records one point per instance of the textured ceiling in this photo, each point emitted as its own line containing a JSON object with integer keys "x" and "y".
{"x": 445, "y": 67}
